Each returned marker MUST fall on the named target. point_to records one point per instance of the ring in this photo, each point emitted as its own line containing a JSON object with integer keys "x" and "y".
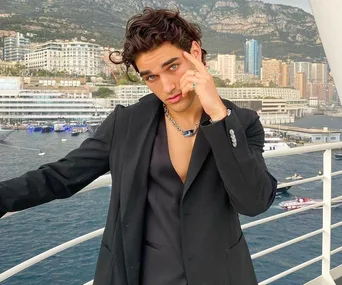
{"x": 193, "y": 85}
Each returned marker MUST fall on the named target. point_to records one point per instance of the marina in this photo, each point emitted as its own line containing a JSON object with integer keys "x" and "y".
{"x": 297, "y": 241}
{"x": 89, "y": 209}
{"x": 312, "y": 135}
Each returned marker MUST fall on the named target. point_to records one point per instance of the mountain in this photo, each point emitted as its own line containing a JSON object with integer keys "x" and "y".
{"x": 226, "y": 24}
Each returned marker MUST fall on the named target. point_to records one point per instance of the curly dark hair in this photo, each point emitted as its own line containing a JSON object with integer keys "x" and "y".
{"x": 149, "y": 30}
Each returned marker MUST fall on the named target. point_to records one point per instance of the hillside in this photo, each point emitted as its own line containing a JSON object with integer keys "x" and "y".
{"x": 225, "y": 24}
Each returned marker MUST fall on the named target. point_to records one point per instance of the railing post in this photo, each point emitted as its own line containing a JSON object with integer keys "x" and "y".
{"x": 326, "y": 236}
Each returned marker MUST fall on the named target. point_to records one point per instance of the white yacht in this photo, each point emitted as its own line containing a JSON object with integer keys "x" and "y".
{"x": 94, "y": 122}
{"x": 274, "y": 143}
{"x": 59, "y": 126}
{"x": 46, "y": 105}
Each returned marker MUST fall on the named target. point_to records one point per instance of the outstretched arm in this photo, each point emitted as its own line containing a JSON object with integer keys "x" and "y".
{"x": 63, "y": 178}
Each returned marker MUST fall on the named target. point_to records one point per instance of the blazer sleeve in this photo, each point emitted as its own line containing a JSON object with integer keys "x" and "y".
{"x": 251, "y": 188}
{"x": 63, "y": 178}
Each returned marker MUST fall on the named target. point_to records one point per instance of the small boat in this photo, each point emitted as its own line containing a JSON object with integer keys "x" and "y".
{"x": 283, "y": 189}
{"x": 299, "y": 202}
{"x": 338, "y": 156}
{"x": 294, "y": 177}
{"x": 47, "y": 129}
{"x": 75, "y": 133}
{"x": 37, "y": 128}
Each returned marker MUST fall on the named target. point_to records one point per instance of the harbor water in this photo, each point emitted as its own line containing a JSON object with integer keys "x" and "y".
{"x": 35, "y": 230}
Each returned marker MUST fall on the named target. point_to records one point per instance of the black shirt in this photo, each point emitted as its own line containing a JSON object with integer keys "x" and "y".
{"x": 162, "y": 262}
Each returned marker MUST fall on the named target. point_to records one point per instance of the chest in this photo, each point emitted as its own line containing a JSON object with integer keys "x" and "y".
{"x": 180, "y": 150}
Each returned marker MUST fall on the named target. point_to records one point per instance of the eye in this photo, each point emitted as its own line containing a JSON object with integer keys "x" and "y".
{"x": 173, "y": 67}
{"x": 150, "y": 78}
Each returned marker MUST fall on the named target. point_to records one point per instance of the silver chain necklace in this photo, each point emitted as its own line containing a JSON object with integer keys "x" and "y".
{"x": 186, "y": 133}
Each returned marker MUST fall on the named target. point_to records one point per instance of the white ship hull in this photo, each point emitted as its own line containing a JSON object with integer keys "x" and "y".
{"x": 275, "y": 146}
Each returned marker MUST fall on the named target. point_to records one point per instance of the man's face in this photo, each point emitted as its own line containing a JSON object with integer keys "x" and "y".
{"x": 162, "y": 70}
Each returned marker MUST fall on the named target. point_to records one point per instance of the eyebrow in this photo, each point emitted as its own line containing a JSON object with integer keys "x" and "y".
{"x": 171, "y": 60}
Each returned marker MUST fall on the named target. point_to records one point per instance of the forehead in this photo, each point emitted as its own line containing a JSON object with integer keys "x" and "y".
{"x": 152, "y": 60}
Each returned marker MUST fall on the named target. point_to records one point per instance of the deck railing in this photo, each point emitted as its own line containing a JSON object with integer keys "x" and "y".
{"x": 325, "y": 231}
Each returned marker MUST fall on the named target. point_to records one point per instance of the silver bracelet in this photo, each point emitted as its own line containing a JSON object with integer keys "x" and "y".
{"x": 229, "y": 111}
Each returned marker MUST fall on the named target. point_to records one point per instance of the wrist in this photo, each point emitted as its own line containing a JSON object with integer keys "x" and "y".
{"x": 224, "y": 112}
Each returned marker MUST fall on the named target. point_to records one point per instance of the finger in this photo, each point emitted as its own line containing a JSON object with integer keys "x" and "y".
{"x": 188, "y": 73}
{"x": 190, "y": 86}
{"x": 186, "y": 89}
{"x": 198, "y": 64}
{"x": 190, "y": 79}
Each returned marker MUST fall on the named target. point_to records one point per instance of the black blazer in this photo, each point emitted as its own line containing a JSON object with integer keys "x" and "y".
{"x": 223, "y": 179}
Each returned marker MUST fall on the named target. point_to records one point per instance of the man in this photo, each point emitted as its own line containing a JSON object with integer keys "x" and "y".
{"x": 184, "y": 163}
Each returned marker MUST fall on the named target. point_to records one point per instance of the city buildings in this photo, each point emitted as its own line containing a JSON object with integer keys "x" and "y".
{"x": 272, "y": 72}
{"x": 78, "y": 58}
{"x": 226, "y": 65}
{"x": 15, "y": 47}
{"x": 300, "y": 67}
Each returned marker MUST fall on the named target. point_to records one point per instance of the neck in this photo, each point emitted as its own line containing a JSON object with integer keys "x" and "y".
{"x": 189, "y": 117}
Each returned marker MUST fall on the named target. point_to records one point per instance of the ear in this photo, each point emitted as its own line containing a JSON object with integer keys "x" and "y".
{"x": 196, "y": 50}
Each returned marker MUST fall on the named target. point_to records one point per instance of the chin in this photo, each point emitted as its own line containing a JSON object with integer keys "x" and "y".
{"x": 181, "y": 106}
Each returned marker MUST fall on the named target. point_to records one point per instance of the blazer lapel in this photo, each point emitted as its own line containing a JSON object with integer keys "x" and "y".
{"x": 140, "y": 138}
{"x": 200, "y": 152}
{"x": 198, "y": 156}
{"x": 141, "y": 133}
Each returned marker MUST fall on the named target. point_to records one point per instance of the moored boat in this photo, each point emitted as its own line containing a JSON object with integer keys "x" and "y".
{"x": 338, "y": 156}
{"x": 294, "y": 177}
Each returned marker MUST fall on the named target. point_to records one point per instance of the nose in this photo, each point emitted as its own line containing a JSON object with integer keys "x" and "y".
{"x": 168, "y": 84}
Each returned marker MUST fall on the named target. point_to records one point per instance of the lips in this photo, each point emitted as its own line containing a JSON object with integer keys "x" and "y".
{"x": 175, "y": 98}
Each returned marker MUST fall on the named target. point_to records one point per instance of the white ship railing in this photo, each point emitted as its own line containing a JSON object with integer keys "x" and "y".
{"x": 326, "y": 277}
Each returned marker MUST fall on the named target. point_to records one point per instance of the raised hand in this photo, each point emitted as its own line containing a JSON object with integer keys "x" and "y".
{"x": 201, "y": 81}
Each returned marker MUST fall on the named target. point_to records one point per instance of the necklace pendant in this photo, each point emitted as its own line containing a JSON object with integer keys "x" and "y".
{"x": 189, "y": 133}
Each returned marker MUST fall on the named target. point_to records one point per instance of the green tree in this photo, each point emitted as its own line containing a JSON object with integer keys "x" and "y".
{"x": 135, "y": 79}
{"x": 219, "y": 82}
{"x": 103, "y": 92}
{"x": 271, "y": 84}
{"x": 239, "y": 84}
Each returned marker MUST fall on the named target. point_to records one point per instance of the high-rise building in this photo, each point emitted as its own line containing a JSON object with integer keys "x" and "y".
{"x": 212, "y": 66}
{"x": 15, "y": 48}
{"x": 300, "y": 84}
{"x": 239, "y": 67}
{"x": 296, "y": 67}
{"x": 319, "y": 73}
{"x": 226, "y": 66}
{"x": 285, "y": 75}
{"x": 271, "y": 71}
{"x": 253, "y": 57}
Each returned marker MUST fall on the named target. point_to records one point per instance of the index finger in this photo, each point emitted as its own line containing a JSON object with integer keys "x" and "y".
{"x": 198, "y": 64}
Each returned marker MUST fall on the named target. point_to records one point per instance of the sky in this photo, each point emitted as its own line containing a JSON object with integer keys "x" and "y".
{"x": 304, "y": 4}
